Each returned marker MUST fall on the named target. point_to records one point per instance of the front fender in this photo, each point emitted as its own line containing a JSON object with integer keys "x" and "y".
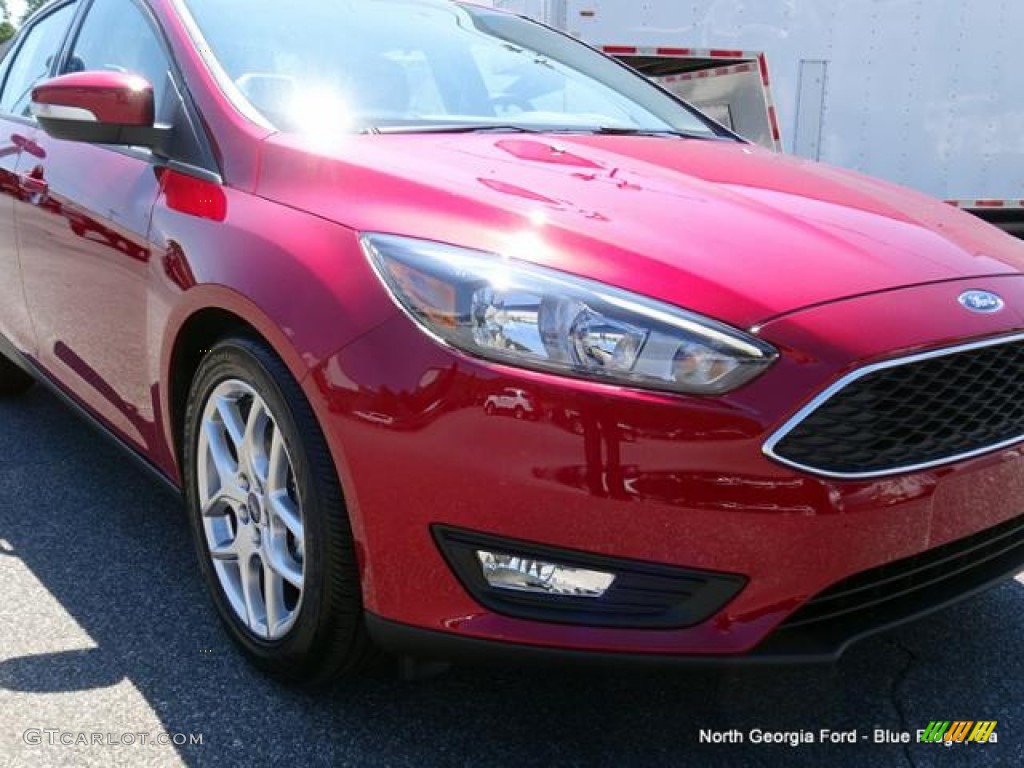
{"x": 303, "y": 284}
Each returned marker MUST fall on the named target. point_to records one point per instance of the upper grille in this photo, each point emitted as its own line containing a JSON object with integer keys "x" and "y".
{"x": 912, "y": 413}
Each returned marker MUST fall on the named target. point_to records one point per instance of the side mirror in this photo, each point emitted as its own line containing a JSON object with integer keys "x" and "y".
{"x": 98, "y": 108}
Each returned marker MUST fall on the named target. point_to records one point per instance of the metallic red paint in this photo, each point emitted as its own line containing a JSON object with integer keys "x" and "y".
{"x": 15, "y": 324}
{"x": 654, "y": 216}
{"x": 84, "y": 253}
{"x": 659, "y": 478}
{"x": 110, "y": 97}
{"x": 835, "y": 269}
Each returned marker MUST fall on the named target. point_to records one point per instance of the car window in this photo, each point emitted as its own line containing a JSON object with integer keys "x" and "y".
{"x": 5, "y": 60}
{"x": 517, "y": 85}
{"x": 355, "y": 65}
{"x": 117, "y": 37}
{"x": 32, "y": 61}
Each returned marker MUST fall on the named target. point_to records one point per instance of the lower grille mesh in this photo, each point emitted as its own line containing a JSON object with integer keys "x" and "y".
{"x": 916, "y": 580}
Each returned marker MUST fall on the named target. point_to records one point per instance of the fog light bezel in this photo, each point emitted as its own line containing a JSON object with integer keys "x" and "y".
{"x": 643, "y": 595}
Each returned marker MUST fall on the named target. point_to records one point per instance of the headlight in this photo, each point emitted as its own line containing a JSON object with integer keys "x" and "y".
{"x": 528, "y": 316}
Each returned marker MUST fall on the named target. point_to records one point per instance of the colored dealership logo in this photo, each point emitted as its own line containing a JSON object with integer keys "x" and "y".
{"x": 985, "y": 302}
{"x": 959, "y": 732}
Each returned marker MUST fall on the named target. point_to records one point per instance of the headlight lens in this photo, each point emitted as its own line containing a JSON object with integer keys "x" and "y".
{"x": 524, "y": 315}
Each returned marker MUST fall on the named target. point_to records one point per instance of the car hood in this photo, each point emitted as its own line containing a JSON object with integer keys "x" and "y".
{"x": 725, "y": 229}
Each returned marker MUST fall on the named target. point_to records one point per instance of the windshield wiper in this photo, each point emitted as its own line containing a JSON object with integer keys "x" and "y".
{"x": 611, "y": 130}
{"x": 600, "y": 130}
{"x": 455, "y": 128}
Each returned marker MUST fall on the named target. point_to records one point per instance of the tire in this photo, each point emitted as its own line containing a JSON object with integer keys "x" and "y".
{"x": 13, "y": 380}
{"x": 309, "y": 627}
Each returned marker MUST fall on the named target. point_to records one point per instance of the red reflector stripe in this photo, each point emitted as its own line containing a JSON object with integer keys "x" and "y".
{"x": 762, "y": 61}
{"x": 773, "y": 118}
{"x": 990, "y": 203}
{"x": 194, "y": 197}
{"x": 674, "y": 51}
{"x": 720, "y": 54}
{"x": 620, "y": 49}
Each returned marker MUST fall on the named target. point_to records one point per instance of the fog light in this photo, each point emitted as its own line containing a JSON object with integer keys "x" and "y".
{"x": 520, "y": 574}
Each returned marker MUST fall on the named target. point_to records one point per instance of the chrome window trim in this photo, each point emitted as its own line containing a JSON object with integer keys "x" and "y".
{"x": 768, "y": 449}
{"x": 221, "y": 77}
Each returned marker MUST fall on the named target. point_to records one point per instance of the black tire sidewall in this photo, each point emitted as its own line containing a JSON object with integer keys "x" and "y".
{"x": 296, "y": 654}
{"x": 13, "y": 380}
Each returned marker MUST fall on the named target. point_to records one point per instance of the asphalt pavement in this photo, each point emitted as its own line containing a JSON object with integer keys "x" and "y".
{"x": 107, "y": 640}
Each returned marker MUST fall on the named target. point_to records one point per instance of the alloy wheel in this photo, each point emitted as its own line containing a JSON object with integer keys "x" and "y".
{"x": 251, "y": 512}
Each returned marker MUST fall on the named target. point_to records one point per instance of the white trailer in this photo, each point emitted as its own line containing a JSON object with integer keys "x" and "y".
{"x": 926, "y": 93}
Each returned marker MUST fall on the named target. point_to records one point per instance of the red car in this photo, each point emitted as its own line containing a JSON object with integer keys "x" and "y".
{"x": 295, "y": 258}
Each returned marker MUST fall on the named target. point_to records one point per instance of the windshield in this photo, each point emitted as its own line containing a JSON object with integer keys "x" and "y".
{"x": 397, "y": 65}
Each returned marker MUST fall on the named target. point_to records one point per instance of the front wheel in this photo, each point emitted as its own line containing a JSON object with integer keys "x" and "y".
{"x": 268, "y": 519}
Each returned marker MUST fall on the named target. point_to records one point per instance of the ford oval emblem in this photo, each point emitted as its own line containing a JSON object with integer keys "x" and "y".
{"x": 985, "y": 302}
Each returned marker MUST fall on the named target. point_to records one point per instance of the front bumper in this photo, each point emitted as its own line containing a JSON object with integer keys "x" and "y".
{"x": 661, "y": 479}
{"x": 820, "y": 631}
